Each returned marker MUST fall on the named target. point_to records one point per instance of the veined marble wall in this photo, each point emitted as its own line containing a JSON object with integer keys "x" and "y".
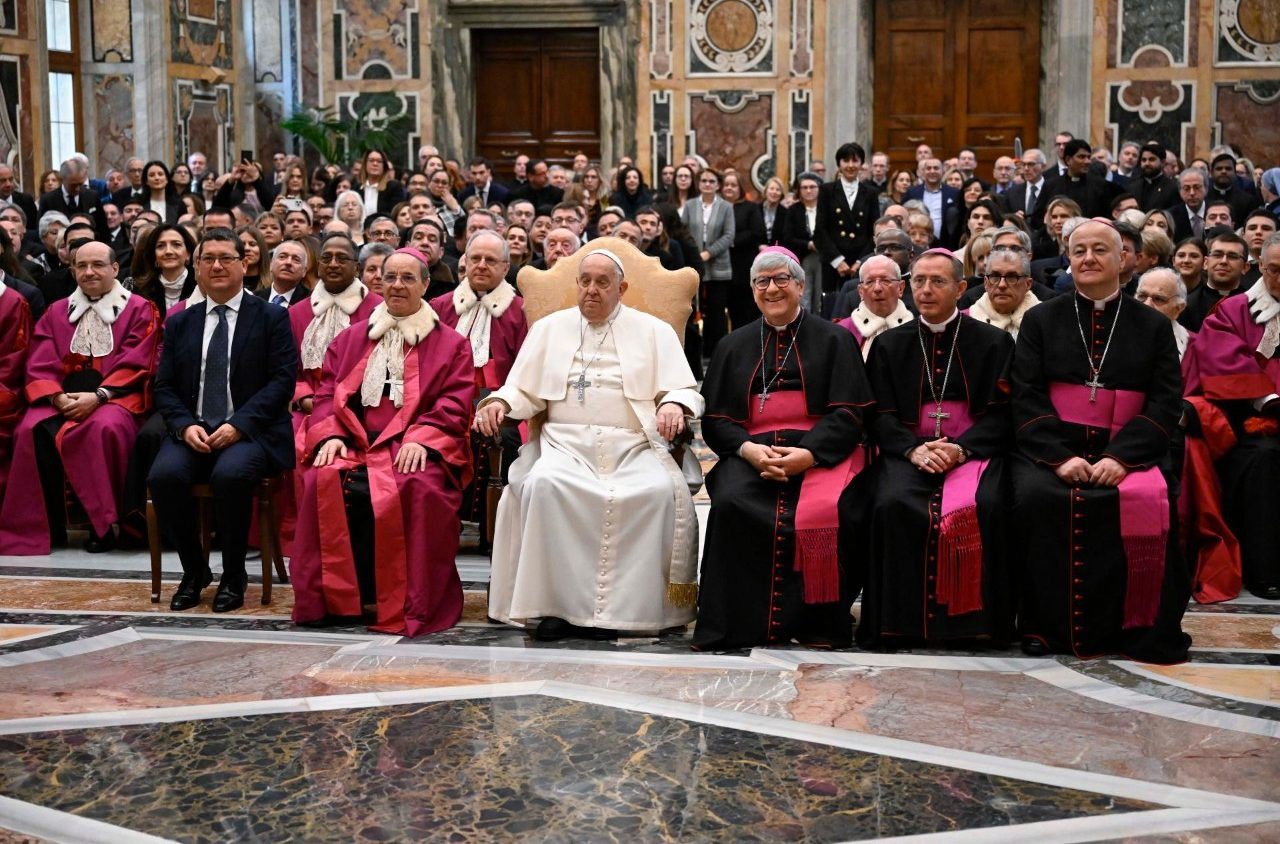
{"x": 1189, "y": 73}
{"x": 736, "y": 82}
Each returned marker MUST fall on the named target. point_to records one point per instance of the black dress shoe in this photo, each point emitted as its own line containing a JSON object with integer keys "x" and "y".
{"x": 1034, "y": 647}
{"x": 188, "y": 594}
{"x": 98, "y": 544}
{"x": 230, "y": 594}
{"x": 552, "y": 629}
{"x": 1266, "y": 591}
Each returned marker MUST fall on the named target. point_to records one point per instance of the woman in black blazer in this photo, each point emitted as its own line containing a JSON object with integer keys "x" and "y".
{"x": 161, "y": 196}
{"x": 797, "y": 235}
{"x": 162, "y": 266}
{"x": 379, "y": 191}
{"x": 748, "y": 238}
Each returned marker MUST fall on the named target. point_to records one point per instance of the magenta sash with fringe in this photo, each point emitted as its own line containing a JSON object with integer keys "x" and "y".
{"x": 959, "y": 539}
{"x": 1144, "y": 497}
{"x": 817, "y": 520}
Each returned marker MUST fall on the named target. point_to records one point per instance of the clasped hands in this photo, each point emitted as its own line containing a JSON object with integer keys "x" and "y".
{"x": 777, "y": 462}
{"x": 1078, "y": 471}
{"x": 75, "y": 406}
{"x": 204, "y": 442}
{"x": 936, "y": 456}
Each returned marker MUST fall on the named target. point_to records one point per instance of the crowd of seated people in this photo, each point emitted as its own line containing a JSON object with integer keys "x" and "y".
{"x": 1035, "y": 404}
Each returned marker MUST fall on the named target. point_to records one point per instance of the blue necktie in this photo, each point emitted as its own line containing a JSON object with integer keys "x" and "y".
{"x": 214, "y": 409}
{"x": 278, "y": 300}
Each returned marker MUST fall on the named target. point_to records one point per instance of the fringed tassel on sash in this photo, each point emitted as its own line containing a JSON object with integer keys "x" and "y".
{"x": 682, "y": 595}
{"x": 818, "y": 564}
{"x": 960, "y": 561}
{"x": 1146, "y": 571}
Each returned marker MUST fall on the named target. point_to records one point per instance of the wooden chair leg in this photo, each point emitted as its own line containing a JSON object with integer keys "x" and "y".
{"x": 282, "y": 574}
{"x": 206, "y": 528}
{"x": 266, "y": 543}
{"x": 153, "y": 540}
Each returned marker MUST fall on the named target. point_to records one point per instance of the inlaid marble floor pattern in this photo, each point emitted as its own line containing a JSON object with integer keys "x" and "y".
{"x": 120, "y": 721}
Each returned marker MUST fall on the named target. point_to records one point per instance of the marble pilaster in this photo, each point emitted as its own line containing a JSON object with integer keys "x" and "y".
{"x": 850, "y": 62}
{"x": 1066, "y": 46}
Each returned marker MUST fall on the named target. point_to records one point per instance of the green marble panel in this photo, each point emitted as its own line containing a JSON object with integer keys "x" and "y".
{"x": 520, "y": 768}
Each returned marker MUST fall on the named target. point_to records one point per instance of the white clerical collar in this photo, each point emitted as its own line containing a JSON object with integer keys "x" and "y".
{"x": 785, "y": 325}
{"x": 942, "y": 326}
{"x": 1100, "y": 304}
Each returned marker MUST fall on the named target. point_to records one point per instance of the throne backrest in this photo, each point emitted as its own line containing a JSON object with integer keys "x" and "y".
{"x": 665, "y": 294}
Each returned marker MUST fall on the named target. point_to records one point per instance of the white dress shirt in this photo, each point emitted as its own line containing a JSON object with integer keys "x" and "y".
{"x": 933, "y": 201}
{"x": 211, "y": 323}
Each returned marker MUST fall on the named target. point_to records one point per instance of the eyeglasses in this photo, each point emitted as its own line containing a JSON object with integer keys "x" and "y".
{"x": 1219, "y": 255}
{"x": 781, "y": 281}
{"x": 920, "y": 282}
{"x": 484, "y": 260}
{"x": 870, "y": 283}
{"x": 335, "y": 258}
{"x": 224, "y": 260}
{"x": 1008, "y": 278}
{"x": 1144, "y": 296}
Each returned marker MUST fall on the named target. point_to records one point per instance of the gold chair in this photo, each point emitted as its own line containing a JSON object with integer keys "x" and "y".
{"x": 652, "y": 288}
{"x": 268, "y": 533}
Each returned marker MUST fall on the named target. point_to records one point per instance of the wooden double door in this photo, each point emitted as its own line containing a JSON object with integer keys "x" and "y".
{"x": 956, "y": 73}
{"x": 537, "y": 94}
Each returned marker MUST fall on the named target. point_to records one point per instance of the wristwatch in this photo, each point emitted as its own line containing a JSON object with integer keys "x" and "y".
{"x": 103, "y": 395}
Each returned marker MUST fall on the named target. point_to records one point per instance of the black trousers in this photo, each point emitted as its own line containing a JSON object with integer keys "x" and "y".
{"x": 232, "y": 473}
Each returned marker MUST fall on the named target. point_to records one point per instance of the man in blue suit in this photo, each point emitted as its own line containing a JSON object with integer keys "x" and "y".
{"x": 942, "y": 202}
{"x": 226, "y": 377}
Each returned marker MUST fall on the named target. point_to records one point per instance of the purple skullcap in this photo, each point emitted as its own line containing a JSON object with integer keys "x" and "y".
{"x": 415, "y": 252}
{"x": 938, "y": 250}
{"x": 780, "y": 250}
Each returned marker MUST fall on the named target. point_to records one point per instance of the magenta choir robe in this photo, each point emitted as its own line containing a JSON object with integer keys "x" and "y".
{"x": 415, "y": 515}
{"x": 95, "y": 452}
{"x": 300, "y": 316}
{"x": 506, "y": 335}
{"x": 15, "y": 340}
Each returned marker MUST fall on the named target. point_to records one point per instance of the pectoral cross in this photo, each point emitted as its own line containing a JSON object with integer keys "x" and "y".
{"x": 937, "y": 416}
{"x": 581, "y": 386}
{"x": 1093, "y": 388}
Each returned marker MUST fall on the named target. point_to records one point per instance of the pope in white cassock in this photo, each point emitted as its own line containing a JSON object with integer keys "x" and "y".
{"x": 596, "y": 531}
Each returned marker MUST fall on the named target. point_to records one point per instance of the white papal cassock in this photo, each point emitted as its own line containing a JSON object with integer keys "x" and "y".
{"x": 596, "y": 525}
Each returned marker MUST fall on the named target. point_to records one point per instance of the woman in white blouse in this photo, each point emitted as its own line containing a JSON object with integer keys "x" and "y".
{"x": 161, "y": 197}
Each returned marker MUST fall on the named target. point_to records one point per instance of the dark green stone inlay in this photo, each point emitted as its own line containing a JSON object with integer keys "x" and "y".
{"x": 504, "y": 769}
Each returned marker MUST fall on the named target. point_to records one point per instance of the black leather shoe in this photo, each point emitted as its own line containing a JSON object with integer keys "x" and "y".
{"x": 188, "y": 594}
{"x": 552, "y": 629}
{"x": 99, "y": 544}
{"x": 230, "y": 594}
{"x": 1266, "y": 591}
{"x": 1034, "y": 647}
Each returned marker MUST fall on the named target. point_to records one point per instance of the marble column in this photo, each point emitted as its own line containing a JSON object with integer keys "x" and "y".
{"x": 152, "y": 97}
{"x": 1066, "y": 55}
{"x": 850, "y": 83}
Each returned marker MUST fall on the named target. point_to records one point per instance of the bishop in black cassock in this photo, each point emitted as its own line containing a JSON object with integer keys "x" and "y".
{"x": 785, "y": 398}
{"x": 926, "y": 524}
{"x": 1096, "y": 401}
